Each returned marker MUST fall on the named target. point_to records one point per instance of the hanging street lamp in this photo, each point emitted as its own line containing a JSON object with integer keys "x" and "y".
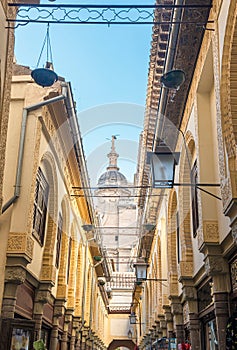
{"x": 173, "y": 79}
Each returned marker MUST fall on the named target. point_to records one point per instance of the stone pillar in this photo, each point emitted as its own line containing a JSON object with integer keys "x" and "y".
{"x": 221, "y": 312}
{"x": 158, "y": 329}
{"x": 75, "y": 333}
{"x": 218, "y": 269}
{"x": 9, "y": 300}
{"x": 67, "y": 321}
{"x": 73, "y": 341}
{"x": 78, "y": 341}
{"x": 42, "y": 296}
{"x": 64, "y": 338}
{"x": 163, "y": 326}
{"x": 14, "y": 275}
{"x": 83, "y": 338}
{"x": 169, "y": 321}
{"x": 38, "y": 325}
{"x": 54, "y": 336}
{"x": 190, "y": 313}
{"x": 59, "y": 311}
{"x": 177, "y": 311}
{"x": 194, "y": 327}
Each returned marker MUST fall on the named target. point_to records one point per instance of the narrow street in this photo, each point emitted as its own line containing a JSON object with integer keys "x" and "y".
{"x": 119, "y": 222}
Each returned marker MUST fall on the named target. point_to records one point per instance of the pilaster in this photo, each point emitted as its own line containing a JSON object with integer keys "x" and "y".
{"x": 190, "y": 313}
{"x": 169, "y": 321}
{"x": 54, "y": 335}
{"x": 177, "y": 311}
{"x": 14, "y": 275}
{"x": 217, "y": 267}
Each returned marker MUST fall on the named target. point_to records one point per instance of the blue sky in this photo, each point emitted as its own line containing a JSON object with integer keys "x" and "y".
{"x": 108, "y": 70}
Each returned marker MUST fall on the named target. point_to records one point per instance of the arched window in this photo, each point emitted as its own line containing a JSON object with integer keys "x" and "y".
{"x": 59, "y": 238}
{"x": 195, "y": 217}
{"x": 40, "y": 206}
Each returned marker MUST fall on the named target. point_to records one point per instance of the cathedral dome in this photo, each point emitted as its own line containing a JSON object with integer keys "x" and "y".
{"x": 112, "y": 178}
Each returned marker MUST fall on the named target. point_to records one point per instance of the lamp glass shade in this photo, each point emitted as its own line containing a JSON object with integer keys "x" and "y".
{"x": 141, "y": 270}
{"x": 173, "y": 79}
{"x": 97, "y": 258}
{"x": 88, "y": 227}
{"x": 162, "y": 168}
{"x": 133, "y": 318}
{"x": 44, "y": 76}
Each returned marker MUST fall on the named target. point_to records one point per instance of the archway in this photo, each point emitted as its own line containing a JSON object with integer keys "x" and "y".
{"x": 126, "y": 343}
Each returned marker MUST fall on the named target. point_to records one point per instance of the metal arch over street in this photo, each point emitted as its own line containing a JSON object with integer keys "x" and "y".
{"x": 101, "y": 14}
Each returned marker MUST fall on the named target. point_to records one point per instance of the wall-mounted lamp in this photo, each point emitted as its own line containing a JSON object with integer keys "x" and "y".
{"x": 162, "y": 164}
{"x": 133, "y": 318}
{"x": 141, "y": 272}
{"x": 129, "y": 334}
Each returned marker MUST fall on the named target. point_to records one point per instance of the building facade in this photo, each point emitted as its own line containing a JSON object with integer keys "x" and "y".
{"x": 49, "y": 287}
{"x": 193, "y": 248}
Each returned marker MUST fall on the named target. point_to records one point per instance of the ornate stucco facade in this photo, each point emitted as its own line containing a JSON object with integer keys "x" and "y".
{"x": 51, "y": 287}
{"x": 48, "y": 282}
{"x": 194, "y": 243}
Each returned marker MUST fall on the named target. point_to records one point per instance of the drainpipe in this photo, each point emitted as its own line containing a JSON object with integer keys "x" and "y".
{"x": 25, "y": 113}
{"x": 77, "y": 142}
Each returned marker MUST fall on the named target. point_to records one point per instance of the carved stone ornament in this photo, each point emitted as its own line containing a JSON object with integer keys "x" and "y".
{"x": 214, "y": 265}
{"x": 233, "y": 269}
{"x": 20, "y": 243}
{"x": 42, "y": 296}
{"x": 48, "y": 273}
{"x": 15, "y": 274}
{"x": 176, "y": 309}
{"x": 210, "y": 231}
{"x": 234, "y": 232}
{"x": 62, "y": 291}
{"x": 186, "y": 313}
{"x": 185, "y": 268}
{"x": 189, "y": 293}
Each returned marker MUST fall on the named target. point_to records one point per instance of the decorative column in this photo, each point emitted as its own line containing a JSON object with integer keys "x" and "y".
{"x": 19, "y": 255}
{"x": 158, "y": 329}
{"x": 177, "y": 311}
{"x": 75, "y": 333}
{"x": 169, "y": 321}
{"x": 38, "y": 315}
{"x": 218, "y": 269}
{"x": 190, "y": 314}
{"x": 163, "y": 326}
{"x": 54, "y": 335}
{"x": 84, "y": 335}
{"x": 42, "y": 296}
{"x": 14, "y": 275}
{"x": 189, "y": 303}
{"x": 67, "y": 321}
{"x": 64, "y": 336}
{"x": 59, "y": 311}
